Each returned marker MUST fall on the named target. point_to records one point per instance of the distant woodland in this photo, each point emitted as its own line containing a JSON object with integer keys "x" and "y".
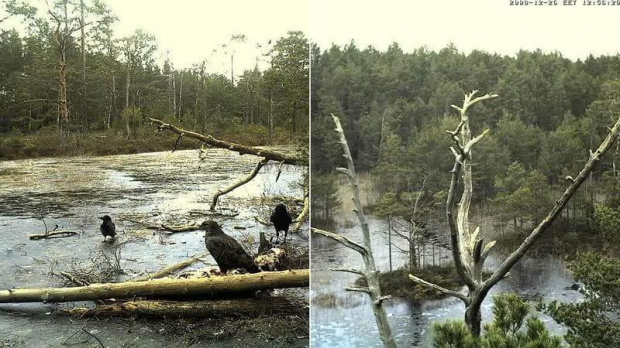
{"x": 67, "y": 72}
{"x": 395, "y": 109}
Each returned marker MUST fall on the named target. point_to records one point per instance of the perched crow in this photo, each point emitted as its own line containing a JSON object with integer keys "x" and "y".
{"x": 226, "y": 251}
{"x": 107, "y": 227}
{"x": 281, "y": 219}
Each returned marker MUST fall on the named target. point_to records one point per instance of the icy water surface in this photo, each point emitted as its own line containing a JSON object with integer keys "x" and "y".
{"x": 348, "y": 321}
{"x": 152, "y": 187}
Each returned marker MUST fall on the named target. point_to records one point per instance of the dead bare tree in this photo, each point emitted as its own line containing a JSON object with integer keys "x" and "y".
{"x": 370, "y": 273}
{"x": 469, "y": 251}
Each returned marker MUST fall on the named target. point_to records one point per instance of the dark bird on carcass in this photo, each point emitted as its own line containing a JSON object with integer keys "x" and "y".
{"x": 226, "y": 251}
{"x": 281, "y": 219}
{"x": 107, "y": 227}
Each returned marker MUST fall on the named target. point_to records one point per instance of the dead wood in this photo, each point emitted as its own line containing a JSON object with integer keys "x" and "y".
{"x": 239, "y": 183}
{"x": 159, "y": 288}
{"x": 171, "y": 269}
{"x": 53, "y": 234}
{"x": 272, "y": 155}
{"x": 232, "y": 308}
{"x": 170, "y": 229}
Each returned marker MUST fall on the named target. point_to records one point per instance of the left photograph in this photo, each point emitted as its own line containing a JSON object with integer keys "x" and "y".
{"x": 154, "y": 173}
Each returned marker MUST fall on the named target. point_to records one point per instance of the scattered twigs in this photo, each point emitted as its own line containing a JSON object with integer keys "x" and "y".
{"x": 15, "y": 247}
{"x": 90, "y": 334}
{"x": 239, "y": 183}
{"x": 171, "y": 269}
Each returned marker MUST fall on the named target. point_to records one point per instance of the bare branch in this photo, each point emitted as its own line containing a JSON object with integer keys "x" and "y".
{"x": 358, "y": 289}
{"x": 241, "y": 149}
{"x": 239, "y": 183}
{"x": 342, "y": 240}
{"x": 380, "y": 299}
{"x": 555, "y": 211}
{"x": 439, "y": 288}
{"x": 348, "y": 270}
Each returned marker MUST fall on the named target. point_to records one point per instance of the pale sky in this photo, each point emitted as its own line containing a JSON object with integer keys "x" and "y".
{"x": 192, "y": 29}
{"x": 490, "y": 25}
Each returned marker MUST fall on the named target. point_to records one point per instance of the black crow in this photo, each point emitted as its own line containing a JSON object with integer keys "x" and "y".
{"x": 281, "y": 219}
{"x": 107, "y": 227}
{"x": 226, "y": 251}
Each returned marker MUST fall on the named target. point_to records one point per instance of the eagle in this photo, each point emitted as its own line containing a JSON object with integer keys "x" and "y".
{"x": 281, "y": 219}
{"x": 226, "y": 251}
{"x": 107, "y": 227}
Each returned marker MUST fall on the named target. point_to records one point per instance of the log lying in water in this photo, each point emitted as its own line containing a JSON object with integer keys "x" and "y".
{"x": 54, "y": 234}
{"x": 159, "y": 288}
{"x": 235, "y": 308}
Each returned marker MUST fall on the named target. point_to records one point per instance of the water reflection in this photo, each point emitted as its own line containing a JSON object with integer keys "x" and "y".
{"x": 348, "y": 320}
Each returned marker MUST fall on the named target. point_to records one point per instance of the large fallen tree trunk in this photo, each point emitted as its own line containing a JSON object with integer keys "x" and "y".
{"x": 160, "y": 288}
{"x": 241, "y": 307}
{"x": 297, "y": 159}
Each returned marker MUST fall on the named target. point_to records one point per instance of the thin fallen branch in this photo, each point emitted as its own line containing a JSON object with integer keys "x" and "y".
{"x": 271, "y": 155}
{"x": 171, "y": 269}
{"x": 239, "y": 183}
{"x": 173, "y": 228}
{"x": 54, "y": 234}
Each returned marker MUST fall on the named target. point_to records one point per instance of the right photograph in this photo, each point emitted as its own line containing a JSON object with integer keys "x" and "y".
{"x": 464, "y": 174}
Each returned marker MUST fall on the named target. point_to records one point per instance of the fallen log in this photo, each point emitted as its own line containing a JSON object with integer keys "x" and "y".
{"x": 159, "y": 288}
{"x": 298, "y": 159}
{"x": 54, "y": 234}
{"x": 234, "y": 308}
{"x": 170, "y": 269}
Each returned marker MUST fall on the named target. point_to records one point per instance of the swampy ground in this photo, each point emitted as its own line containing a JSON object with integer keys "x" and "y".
{"x": 137, "y": 190}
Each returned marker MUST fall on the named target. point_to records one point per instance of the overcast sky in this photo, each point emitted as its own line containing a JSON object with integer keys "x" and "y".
{"x": 490, "y": 25}
{"x": 192, "y": 29}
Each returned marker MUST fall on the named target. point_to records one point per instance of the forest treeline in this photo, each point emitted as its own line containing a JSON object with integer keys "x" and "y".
{"x": 67, "y": 70}
{"x": 395, "y": 110}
